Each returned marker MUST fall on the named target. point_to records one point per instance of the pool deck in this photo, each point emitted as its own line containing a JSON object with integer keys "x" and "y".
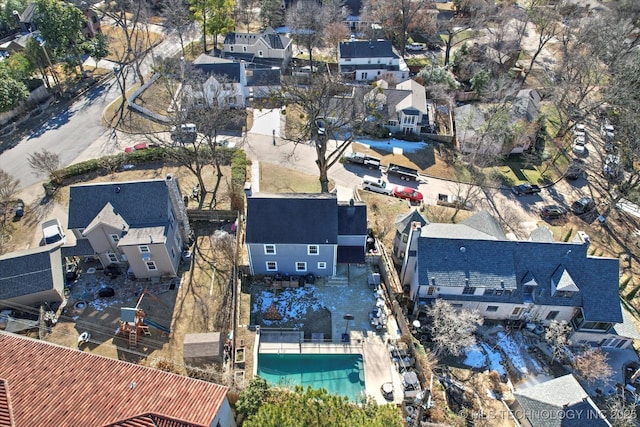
{"x": 378, "y": 366}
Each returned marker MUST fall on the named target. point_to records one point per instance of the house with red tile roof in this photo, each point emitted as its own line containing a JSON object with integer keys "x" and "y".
{"x": 43, "y": 384}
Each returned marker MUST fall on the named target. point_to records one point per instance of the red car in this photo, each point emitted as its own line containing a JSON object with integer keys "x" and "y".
{"x": 407, "y": 193}
{"x": 139, "y": 146}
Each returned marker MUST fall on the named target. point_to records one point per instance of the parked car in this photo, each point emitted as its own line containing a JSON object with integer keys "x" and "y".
{"x": 376, "y": 185}
{"x": 524, "y": 189}
{"x": 575, "y": 169}
{"x": 416, "y": 47}
{"x": 52, "y": 232}
{"x": 607, "y": 130}
{"x": 611, "y": 168}
{"x": 407, "y": 193}
{"x": 552, "y": 211}
{"x": 138, "y": 147}
{"x": 185, "y": 134}
{"x": 402, "y": 172}
{"x": 583, "y": 205}
{"x": 580, "y": 130}
{"x": 363, "y": 159}
{"x": 321, "y": 125}
{"x": 578, "y": 146}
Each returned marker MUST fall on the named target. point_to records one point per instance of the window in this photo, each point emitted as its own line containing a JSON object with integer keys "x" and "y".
{"x": 492, "y": 308}
{"x": 517, "y": 311}
{"x": 112, "y": 257}
{"x": 173, "y": 253}
{"x": 115, "y": 238}
{"x": 431, "y": 290}
{"x": 244, "y": 48}
{"x": 231, "y": 100}
{"x": 144, "y": 249}
{"x": 151, "y": 265}
{"x": 272, "y": 266}
{"x": 469, "y": 290}
{"x": 313, "y": 250}
{"x": 489, "y": 291}
{"x": 364, "y": 76}
{"x": 260, "y": 54}
{"x": 552, "y": 315}
{"x": 405, "y": 238}
{"x": 301, "y": 266}
{"x": 270, "y": 249}
{"x": 230, "y": 48}
{"x": 322, "y": 265}
{"x": 456, "y": 305}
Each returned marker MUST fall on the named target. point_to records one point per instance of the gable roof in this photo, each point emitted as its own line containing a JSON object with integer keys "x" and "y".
{"x": 29, "y": 272}
{"x": 90, "y": 390}
{"x": 417, "y": 96}
{"x": 366, "y": 49}
{"x": 211, "y": 65}
{"x": 296, "y": 218}
{"x": 403, "y": 221}
{"x": 264, "y": 77}
{"x": 565, "y": 402}
{"x": 269, "y": 37}
{"x": 486, "y": 223}
{"x": 495, "y": 263}
{"x": 139, "y": 203}
{"x": 108, "y": 215}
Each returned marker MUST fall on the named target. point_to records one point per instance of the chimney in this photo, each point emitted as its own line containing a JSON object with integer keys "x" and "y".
{"x": 582, "y": 237}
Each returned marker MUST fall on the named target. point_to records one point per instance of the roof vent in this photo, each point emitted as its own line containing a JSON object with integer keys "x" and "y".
{"x": 132, "y": 386}
{"x": 463, "y": 249}
{"x": 117, "y": 189}
{"x": 169, "y": 177}
{"x": 466, "y": 282}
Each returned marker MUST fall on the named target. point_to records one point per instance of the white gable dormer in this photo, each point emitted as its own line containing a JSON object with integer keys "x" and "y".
{"x": 562, "y": 284}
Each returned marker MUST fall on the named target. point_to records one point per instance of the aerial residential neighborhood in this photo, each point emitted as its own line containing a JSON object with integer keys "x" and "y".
{"x": 319, "y": 214}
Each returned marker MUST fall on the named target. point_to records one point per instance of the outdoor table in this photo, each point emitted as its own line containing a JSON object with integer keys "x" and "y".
{"x": 410, "y": 379}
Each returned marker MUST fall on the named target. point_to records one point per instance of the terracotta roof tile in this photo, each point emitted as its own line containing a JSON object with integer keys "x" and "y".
{"x": 5, "y": 406}
{"x": 53, "y": 385}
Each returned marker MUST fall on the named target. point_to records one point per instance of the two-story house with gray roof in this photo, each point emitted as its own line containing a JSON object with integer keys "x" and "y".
{"x": 32, "y": 276}
{"x": 473, "y": 266}
{"x": 298, "y": 234}
{"x": 140, "y": 225}
{"x": 226, "y": 82}
{"x": 405, "y": 108}
{"x": 265, "y": 48}
{"x": 368, "y": 60}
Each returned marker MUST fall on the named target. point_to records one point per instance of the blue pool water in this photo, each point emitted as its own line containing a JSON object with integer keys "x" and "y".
{"x": 341, "y": 374}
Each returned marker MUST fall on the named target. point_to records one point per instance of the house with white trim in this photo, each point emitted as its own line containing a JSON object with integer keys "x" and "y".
{"x": 368, "y": 60}
{"x": 266, "y": 47}
{"x": 298, "y": 234}
{"x": 473, "y": 266}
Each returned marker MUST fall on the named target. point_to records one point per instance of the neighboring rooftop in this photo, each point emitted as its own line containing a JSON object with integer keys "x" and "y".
{"x": 43, "y": 384}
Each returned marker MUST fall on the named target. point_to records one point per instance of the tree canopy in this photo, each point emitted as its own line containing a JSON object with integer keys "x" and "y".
{"x": 60, "y": 25}
{"x": 12, "y": 91}
{"x": 309, "y": 407}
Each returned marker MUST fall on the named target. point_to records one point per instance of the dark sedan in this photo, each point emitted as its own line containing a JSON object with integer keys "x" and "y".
{"x": 523, "y": 189}
{"x": 552, "y": 211}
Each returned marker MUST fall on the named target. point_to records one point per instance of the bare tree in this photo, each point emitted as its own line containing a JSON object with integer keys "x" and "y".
{"x": 176, "y": 18}
{"x": 547, "y": 23}
{"x": 307, "y": 22}
{"x": 557, "y": 335}
{"x": 8, "y": 187}
{"x": 620, "y": 412}
{"x": 339, "y": 108}
{"x": 45, "y": 163}
{"x": 452, "y": 329}
{"x": 464, "y": 196}
{"x": 592, "y": 366}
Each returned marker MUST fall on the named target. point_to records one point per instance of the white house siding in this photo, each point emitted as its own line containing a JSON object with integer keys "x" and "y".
{"x": 608, "y": 340}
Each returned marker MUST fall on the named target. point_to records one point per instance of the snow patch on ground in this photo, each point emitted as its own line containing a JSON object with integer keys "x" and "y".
{"x": 475, "y": 357}
{"x": 495, "y": 359}
{"x": 291, "y": 303}
{"x": 390, "y": 144}
{"x": 512, "y": 350}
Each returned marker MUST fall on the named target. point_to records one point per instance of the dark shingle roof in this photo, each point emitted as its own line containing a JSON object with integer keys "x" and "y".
{"x": 229, "y": 70}
{"x": 263, "y": 77}
{"x": 29, "y": 272}
{"x": 352, "y": 220}
{"x": 292, "y": 218}
{"x": 140, "y": 203}
{"x": 367, "y": 49}
{"x": 489, "y": 263}
{"x": 560, "y": 402}
{"x": 485, "y": 222}
{"x": 403, "y": 221}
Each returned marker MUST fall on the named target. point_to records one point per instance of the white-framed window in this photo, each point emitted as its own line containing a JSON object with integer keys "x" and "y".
{"x": 322, "y": 265}
{"x": 123, "y": 257}
{"x": 260, "y": 54}
{"x": 144, "y": 249}
{"x": 151, "y": 265}
{"x": 364, "y": 76}
{"x": 431, "y": 290}
{"x": 112, "y": 257}
{"x": 230, "y": 48}
{"x": 492, "y": 308}
{"x": 231, "y": 100}
{"x": 115, "y": 238}
{"x": 272, "y": 266}
{"x": 516, "y": 311}
{"x": 244, "y": 48}
{"x": 313, "y": 250}
{"x": 301, "y": 266}
{"x": 269, "y": 249}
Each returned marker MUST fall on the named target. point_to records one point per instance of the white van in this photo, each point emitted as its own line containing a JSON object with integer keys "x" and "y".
{"x": 376, "y": 185}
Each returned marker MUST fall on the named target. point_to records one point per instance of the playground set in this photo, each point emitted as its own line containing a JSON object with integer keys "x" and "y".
{"x": 134, "y": 323}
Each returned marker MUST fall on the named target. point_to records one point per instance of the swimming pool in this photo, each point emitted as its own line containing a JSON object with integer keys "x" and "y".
{"x": 341, "y": 374}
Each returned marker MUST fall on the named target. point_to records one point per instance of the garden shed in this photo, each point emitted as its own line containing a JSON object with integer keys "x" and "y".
{"x": 202, "y": 349}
